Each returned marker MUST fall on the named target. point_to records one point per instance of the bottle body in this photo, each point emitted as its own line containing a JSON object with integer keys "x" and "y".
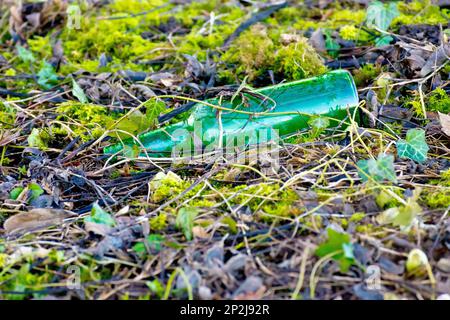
{"x": 274, "y": 112}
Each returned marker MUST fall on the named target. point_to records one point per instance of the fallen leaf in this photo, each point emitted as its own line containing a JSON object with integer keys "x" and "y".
{"x": 379, "y": 169}
{"x": 200, "y": 232}
{"x": 414, "y": 147}
{"x": 35, "y": 219}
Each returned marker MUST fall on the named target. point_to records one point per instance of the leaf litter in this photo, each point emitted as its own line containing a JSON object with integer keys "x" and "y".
{"x": 339, "y": 203}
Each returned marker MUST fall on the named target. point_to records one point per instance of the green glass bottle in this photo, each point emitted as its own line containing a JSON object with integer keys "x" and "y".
{"x": 268, "y": 114}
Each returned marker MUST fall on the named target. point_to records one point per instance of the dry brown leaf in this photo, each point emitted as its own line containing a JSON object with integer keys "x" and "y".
{"x": 444, "y": 119}
{"x": 200, "y": 232}
{"x": 97, "y": 228}
{"x": 35, "y": 219}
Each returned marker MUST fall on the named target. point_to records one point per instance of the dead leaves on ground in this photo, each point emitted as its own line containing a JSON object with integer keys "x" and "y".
{"x": 35, "y": 219}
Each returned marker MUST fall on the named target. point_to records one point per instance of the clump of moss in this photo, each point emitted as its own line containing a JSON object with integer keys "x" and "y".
{"x": 7, "y": 115}
{"x": 353, "y": 33}
{"x": 159, "y": 222}
{"x": 85, "y": 120}
{"x": 166, "y": 186}
{"x": 437, "y": 101}
{"x": 421, "y": 12}
{"x": 252, "y": 51}
{"x": 255, "y": 52}
{"x": 366, "y": 74}
{"x": 269, "y": 199}
{"x": 337, "y": 19}
{"x": 120, "y": 39}
{"x": 204, "y": 36}
{"x": 298, "y": 61}
{"x": 438, "y": 199}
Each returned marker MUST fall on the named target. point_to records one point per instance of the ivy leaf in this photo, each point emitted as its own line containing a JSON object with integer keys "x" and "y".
{"x": 185, "y": 221}
{"x": 379, "y": 170}
{"x": 78, "y": 92}
{"x": 331, "y": 45}
{"x": 36, "y": 191}
{"x": 25, "y": 55}
{"x": 134, "y": 123}
{"x": 383, "y": 41}
{"x": 339, "y": 243}
{"x": 381, "y": 15}
{"x": 100, "y": 216}
{"x": 47, "y": 76}
{"x": 414, "y": 147}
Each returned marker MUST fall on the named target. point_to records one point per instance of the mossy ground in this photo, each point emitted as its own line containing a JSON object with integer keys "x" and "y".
{"x": 273, "y": 216}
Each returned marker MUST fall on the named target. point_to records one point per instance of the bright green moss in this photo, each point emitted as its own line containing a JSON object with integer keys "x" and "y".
{"x": 337, "y": 19}
{"x": 420, "y": 12}
{"x": 344, "y": 16}
{"x": 255, "y": 52}
{"x": 41, "y": 47}
{"x": 357, "y": 217}
{"x": 437, "y": 199}
{"x": 287, "y": 16}
{"x": 439, "y": 100}
{"x": 354, "y": 33}
{"x": 159, "y": 222}
{"x": 85, "y": 120}
{"x": 119, "y": 39}
{"x": 269, "y": 199}
{"x": 298, "y": 61}
{"x": 7, "y": 116}
{"x": 366, "y": 74}
{"x": 366, "y": 228}
{"x": 252, "y": 52}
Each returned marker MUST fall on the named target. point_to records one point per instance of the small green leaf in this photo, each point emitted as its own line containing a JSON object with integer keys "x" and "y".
{"x": 383, "y": 41}
{"x": 318, "y": 125}
{"x": 134, "y": 123}
{"x": 36, "y": 191}
{"x": 15, "y": 193}
{"x": 381, "y": 15}
{"x": 47, "y": 76}
{"x": 153, "y": 109}
{"x": 78, "y": 92}
{"x": 414, "y": 147}
{"x": 185, "y": 221}
{"x": 25, "y": 55}
{"x": 98, "y": 215}
{"x": 35, "y": 139}
{"x": 379, "y": 170}
{"x": 340, "y": 244}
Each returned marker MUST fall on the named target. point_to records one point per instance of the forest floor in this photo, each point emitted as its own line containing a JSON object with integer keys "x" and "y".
{"x": 360, "y": 211}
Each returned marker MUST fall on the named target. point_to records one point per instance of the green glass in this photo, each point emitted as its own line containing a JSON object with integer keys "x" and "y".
{"x": 254, "y": 120}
